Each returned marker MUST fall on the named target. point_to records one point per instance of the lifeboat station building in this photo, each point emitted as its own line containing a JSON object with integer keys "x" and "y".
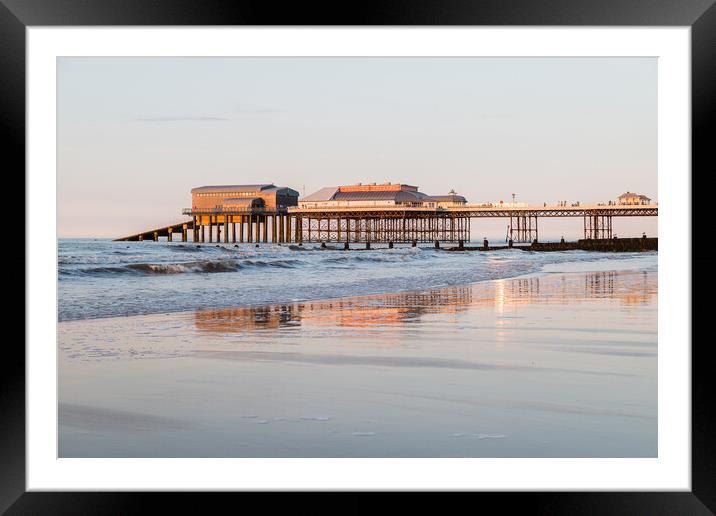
{"x": 223, "y": 198}
{"x": 241, "y": 213}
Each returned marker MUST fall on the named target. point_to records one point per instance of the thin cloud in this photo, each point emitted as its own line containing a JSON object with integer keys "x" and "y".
{"x": 256, "y": 111}
{"x": 194, "y": 118}
{"x": 181, "y": 119}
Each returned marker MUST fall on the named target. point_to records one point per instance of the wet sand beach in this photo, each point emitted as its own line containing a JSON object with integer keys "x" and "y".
{"x": 550, "y": 365}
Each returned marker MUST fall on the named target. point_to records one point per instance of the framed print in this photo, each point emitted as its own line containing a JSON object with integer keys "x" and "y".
{"x": 415, "y": 251}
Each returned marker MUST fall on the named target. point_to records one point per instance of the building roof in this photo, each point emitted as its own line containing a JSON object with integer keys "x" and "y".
{"x": 324, "y": 194}
{"x": 282, "y": 189}
{"x": 447, "y": 198}
{"x": 234, "y": 188}
{"x": 632, "y": 195}
{"x": 388, "y": 195}
{"x": 375, "y": 187}
{"x": 397, "y": 192}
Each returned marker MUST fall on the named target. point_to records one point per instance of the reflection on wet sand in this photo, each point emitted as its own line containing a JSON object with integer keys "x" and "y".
{"x": 359, "y": 312}
{"x": 399, "y": 309}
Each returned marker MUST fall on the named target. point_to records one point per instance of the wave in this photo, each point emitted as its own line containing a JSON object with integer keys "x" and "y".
{"x": 179, "y": 268}
{"x": 203, "y": 266}
{"x": 387, "y": 258}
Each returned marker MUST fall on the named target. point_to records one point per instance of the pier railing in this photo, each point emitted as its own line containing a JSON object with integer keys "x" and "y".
{"x": 230, "y": 210}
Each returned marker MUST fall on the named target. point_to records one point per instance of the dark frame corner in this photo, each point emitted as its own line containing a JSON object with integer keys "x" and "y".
{"x": 17, "y": 15}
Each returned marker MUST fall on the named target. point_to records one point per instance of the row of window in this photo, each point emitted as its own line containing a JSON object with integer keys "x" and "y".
{"x": 227, "y": 194}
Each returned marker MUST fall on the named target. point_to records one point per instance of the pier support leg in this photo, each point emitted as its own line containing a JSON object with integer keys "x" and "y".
{"x": 346, "y": 246}
{"x": 233, "y": 230}
{"x": 140, "y": 238}
{"x": 156, "y": 236}
{"x": 390, "y": 245}
{"x": 437, "y": 244}
{"x": 169, "y": 234}
{"x": 184, "y": 230}
{"x": 226, "y": 229}
{"x": 249, "y": 229}
{"x": 597, "y": 227}
{"x": 367, "y": 245}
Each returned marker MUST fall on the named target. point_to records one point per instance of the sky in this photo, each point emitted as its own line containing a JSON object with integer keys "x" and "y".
{"x": 134, "y": 135}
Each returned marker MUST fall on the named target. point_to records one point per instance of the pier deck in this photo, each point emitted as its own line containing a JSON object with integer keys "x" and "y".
{"x": 382, "y": 224}
{"x": 165, "y": 231}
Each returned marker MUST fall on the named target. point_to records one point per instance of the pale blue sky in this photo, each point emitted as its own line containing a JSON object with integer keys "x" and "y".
{"x": 136, "y": 134}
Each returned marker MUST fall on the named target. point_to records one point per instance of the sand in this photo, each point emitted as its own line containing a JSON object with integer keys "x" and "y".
{"x": 556, "y": 365}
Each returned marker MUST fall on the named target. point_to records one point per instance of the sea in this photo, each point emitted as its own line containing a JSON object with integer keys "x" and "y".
{"x": 100, "y": 278}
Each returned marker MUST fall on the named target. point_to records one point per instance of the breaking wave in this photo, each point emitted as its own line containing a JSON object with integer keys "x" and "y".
{"x": 203, "y": 266}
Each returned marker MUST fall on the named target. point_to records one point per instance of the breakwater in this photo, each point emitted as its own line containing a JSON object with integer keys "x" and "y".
{"x": 624, "y": 245}
{"x": 628, "y": 245}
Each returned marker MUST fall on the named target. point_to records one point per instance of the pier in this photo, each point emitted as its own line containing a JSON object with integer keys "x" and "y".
{"x": 362, "y": 225}
{"x": 374, "y": 213}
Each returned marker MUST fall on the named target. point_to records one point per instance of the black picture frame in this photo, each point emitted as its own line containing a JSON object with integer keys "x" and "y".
{"x": 16, "y": 15}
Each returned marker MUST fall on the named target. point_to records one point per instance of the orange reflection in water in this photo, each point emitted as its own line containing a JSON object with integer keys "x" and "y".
{"x": 388, "y": 310}
{"x": 393, "y": 311}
